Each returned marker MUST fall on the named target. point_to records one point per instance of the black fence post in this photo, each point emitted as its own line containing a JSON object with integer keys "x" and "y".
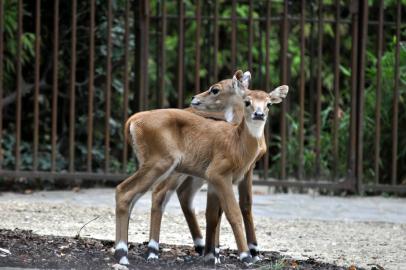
{"x": 141, "y": 19}
{"x": 351, "y": 173}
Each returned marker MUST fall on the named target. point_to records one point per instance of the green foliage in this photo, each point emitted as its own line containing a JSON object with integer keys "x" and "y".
{"x": 207, "y": 62}
{"x": 10, "y": 44}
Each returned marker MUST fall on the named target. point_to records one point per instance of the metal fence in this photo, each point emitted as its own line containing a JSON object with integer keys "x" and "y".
{"x": 139, "y": 55}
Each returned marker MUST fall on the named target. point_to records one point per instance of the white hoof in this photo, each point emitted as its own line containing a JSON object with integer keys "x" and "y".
{"x": 152, "y": 257}
{"x": 211, "y": 259}
{"x": 124, "y": 261}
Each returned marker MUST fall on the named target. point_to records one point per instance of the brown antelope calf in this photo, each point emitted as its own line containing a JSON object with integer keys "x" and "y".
{"x": 219, "y": 102}
{"x": 176, "y": 140}
{"x": 210, "y": 101}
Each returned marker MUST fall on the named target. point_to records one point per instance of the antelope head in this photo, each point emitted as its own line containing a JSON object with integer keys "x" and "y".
{"x": 257, "y": 105}
{"x": 224, "y": 96}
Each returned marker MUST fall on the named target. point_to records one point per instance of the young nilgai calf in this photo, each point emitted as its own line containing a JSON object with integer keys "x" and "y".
{"x": 176, "y": 140}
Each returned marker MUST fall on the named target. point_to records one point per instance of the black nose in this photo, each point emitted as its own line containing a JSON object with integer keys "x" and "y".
{"x": 259, "y": 114}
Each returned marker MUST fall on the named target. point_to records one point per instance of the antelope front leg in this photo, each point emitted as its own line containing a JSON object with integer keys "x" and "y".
{"x": 224, "y": 190}
{"x": 213, "y": 214}
{"x": 186, "y": 192}
{"x": 245, "y": 197}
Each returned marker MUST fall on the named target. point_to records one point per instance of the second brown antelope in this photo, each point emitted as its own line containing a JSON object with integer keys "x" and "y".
{"x": 176, "y": 140}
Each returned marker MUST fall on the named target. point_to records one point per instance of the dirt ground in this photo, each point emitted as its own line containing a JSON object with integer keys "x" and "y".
{"x": 34, "y": 251}
{"x": 342, "y": 239}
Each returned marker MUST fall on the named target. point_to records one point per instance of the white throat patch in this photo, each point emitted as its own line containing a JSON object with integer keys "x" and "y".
{"x": 229, "y": 114}
{"x": 256, "y": 128}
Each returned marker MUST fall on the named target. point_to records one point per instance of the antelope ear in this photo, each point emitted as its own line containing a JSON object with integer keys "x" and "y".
{"x": 279, "y": 93}
{"x": 241, "y": 81}
{"x": 246, "y": 78}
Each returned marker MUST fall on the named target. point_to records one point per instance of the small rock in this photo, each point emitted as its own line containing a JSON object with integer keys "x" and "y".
{"x": 284, "y": 250}
{"x": 5, "y": 251}
{"x": 64, "y": 247}
{"x": 118, "y": 266}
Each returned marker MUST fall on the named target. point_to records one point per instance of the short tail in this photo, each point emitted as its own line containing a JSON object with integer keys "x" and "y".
{"x": 127, "y": 135}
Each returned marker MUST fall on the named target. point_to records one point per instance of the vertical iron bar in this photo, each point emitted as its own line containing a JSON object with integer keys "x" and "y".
{"x": 157, "y": 24}
{"x": 18, "y": 83}
{"x": 260, "y": 61}
{"x": 284, "y": 78}
{"x": 141, "y": 13}
{"x": 1, "y": 78}
{"x": 353, "y": 118}
{"x": 361, "y": 89}
{"x": 72, "y": 91}
{"x": 378, "y": 94}
{"x": 126, "y": 86}
{"x": 180, "y": 53}
{"x": 197, "y": 46}
{"x": 36, "y": 83}
{"x": 250, "y": 35}
{"x": 162, "y": 57}
{"x": 312, "y": 64}
{"x": 216, "y": 40}
{"x": 90, "y": 87}
{"x": 145, "y": 54}
{"x": 234, "y": 36}
{"x": 108, "y": 88}
{"x": 336, "y": 88}
{"x": 138, "y": 52}
{"x": 396, "y": 98}
{"x": 302, "y": 89}
{"x": 209, "y": 34}
{"x": 55, "y": 85}
{"x": 267, "y": 82}
{"x": 318, "y": 87}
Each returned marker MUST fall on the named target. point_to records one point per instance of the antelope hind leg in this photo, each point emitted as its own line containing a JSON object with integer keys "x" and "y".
{"x": 160, "y": 197}
{"x": 127, "y": 194}
{"x": 186, "y": 193}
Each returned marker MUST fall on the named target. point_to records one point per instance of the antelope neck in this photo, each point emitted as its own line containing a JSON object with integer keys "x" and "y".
{"x": 244, "y": 134}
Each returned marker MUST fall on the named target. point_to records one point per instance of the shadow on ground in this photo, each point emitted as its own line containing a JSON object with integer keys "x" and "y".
{"x": 35, "y": 251}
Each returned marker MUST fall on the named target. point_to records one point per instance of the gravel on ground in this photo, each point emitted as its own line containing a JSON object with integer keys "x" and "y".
{"x": 346, "y": 242}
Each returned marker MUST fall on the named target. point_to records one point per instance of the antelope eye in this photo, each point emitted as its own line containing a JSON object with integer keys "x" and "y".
{"x": 269, "y": 105}
{"x": 247, "y": 103}
{"x": 214, "y": 91}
